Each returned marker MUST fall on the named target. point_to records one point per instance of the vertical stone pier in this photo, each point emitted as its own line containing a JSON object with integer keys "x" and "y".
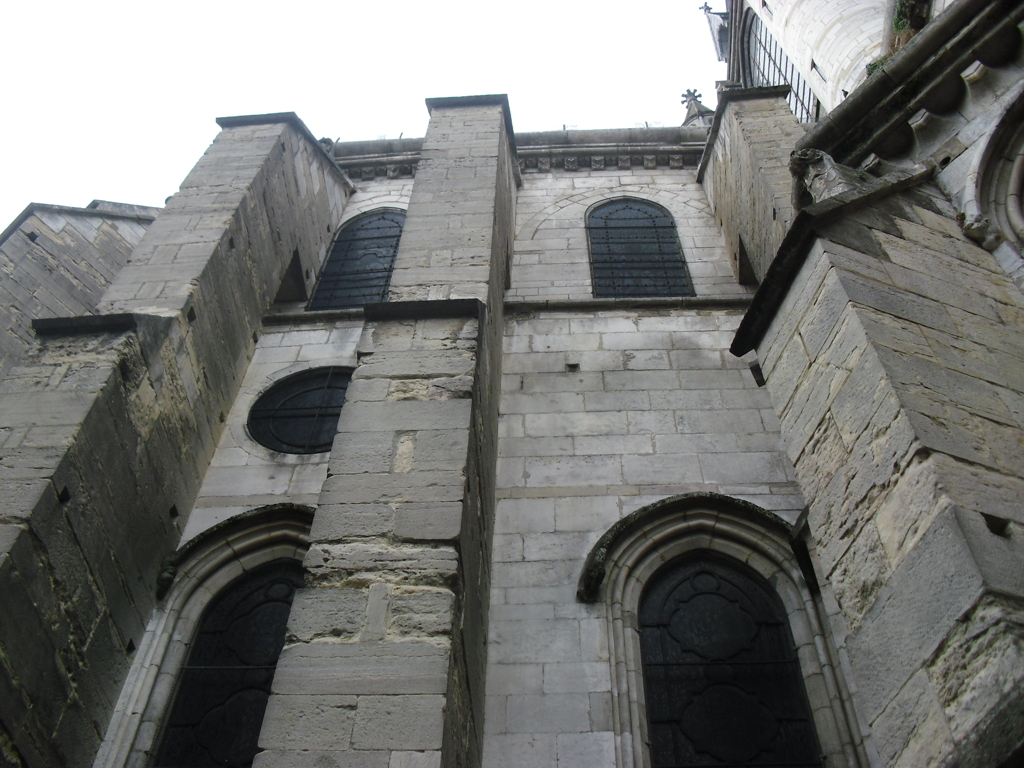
{"x": 893, "y": 362}
{"x": 386, "y": 646}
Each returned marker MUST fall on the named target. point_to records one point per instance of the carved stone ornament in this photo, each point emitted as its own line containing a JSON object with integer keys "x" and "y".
{"x": 817, "y": 177}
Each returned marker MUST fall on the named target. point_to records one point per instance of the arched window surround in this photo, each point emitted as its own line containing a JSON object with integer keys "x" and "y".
{"x": 194, "y": 575}
{"x": 625, "y": 558}
{"x": 684, "y": 277}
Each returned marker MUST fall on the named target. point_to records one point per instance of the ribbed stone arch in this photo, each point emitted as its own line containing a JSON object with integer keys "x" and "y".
{"x": 191, "y": 578}
{"x": 625, "y": 558}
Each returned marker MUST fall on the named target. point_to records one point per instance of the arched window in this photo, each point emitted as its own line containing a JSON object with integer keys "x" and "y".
{"x": 358, "y": 268}
{"x": 196, "y": 691}
{"x": 635, "y": 252}
{"x": 719, "y": 656}
{"x": 721, "y": 678}
{"x": 224, "y": 685}
{"x": 765, "y": 64}
{"x": 299, "y": 414}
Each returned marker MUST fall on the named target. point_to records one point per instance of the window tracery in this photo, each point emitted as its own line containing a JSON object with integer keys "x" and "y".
{"x": 628, "y": 565}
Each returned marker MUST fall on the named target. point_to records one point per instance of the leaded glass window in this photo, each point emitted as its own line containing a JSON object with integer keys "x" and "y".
{"x": 722, "y": 682}
{"x": 635, "y": 252}
{"x": 358, "y": 268}
{"x": 222, "y": 691}
{"x": 299, "y": 414}
{"x": 765, "y": 64}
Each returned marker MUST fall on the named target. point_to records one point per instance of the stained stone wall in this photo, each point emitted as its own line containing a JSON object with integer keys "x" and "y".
{"x": 894, "y": 366}
{"x": 745, "y": 173}
{"x": 57, "y": 261}
{"x": 109, "y": 423}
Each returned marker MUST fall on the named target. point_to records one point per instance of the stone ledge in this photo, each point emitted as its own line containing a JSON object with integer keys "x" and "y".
{"x": 72, "y": 326}
{"x": 592, "y": 304}
{"x": 424, "y": 309}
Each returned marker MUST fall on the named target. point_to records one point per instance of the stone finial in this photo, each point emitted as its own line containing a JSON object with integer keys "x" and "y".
{"x": 696, "y": 113}
{"x": 691, "y": 96}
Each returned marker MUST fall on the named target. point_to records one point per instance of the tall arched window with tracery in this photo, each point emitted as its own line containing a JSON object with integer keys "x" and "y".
{"x": 718, "y": 651}
{"x": 222, "y": 691}
{"x": 722, "y": 681}
{"x": 358, "y": 269}
{"x": 635, "y": 251}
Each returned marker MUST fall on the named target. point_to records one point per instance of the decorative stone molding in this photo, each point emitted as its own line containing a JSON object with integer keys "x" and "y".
{"x": 624, "y": 559}
{"x": 191, "y": 578}
{"x": 544, "y": 160}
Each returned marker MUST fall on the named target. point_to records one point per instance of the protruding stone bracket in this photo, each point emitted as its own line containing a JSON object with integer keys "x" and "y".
{"x": 817, "y": 177}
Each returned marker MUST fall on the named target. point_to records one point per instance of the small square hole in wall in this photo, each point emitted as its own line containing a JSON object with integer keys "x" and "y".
{"x": 31, "y": 236}
{"x": 191, "y": 315}
{"x": 1000, "y": 526}
{"x": 173, "y": 511}
{"x": 572, "y": 367}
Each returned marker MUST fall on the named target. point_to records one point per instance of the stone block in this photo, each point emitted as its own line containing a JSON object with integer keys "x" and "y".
{"x": 531, "y": 642}
{"x": 585, "y": 750}
{"x": 913, "y": 613}
{"x": 520, "y": 750}
{"x": 428, "y": 521}
{"x": 411, "y": 667}
{"x": 549, "y": 713}
{"x": 326, "y": 612}
{"x": 338, "y": 521}
{"x": 415, "y": 760}
{"x": 316, "y": 758}
{"x": 569, "y": 471}
{"x": 307, "y": 722}
{"x": 420, "y": 611}
{"x": 404, "y": 723}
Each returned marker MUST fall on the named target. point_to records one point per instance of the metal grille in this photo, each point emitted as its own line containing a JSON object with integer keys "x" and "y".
{"x": 358, "y": 269}
{"x": 765, "y": 64}
{"x": 223, "y": 688}
{"x": 721, "y": 677}
{"x": 635, "y": 252}
{"x": 300, "y": 414}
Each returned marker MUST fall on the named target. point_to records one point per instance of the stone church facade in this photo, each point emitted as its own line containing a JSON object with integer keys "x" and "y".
{"x": 643, "y": 447}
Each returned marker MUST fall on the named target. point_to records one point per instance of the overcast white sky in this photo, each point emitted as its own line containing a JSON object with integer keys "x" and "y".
{"x": 116, "y": 100}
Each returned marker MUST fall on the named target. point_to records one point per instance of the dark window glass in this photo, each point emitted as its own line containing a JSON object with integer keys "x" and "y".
{"x": 223, "y": 688}
{"x": 358, "y": 269}
{"x": 721, "y": 677}
{"x": 766, "y": 64}
{"x": 299, "y": 414}
{"x": 634, "y": 251}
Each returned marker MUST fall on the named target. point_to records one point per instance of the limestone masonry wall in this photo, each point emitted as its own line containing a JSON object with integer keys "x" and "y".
{"x": 107, "y": 435}
{"x": 894, "y": 366}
